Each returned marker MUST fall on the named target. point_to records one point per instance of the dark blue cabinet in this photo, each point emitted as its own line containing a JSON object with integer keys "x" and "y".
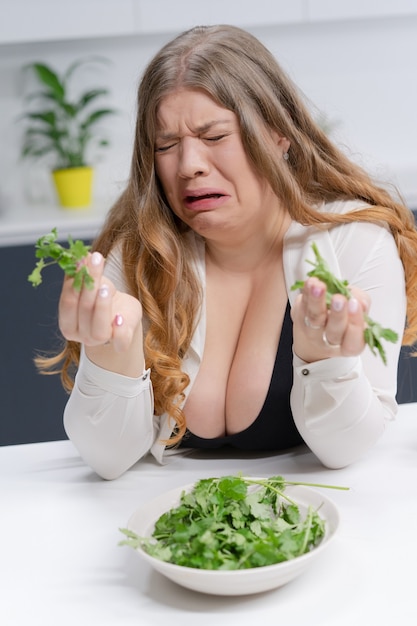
{"x": 31, "y": 404}
{"x": 407, "y": 370}
{"x": 407, "y": 376}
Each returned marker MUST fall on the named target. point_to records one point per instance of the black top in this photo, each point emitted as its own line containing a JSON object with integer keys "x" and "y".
{"x": 274, "y": 428}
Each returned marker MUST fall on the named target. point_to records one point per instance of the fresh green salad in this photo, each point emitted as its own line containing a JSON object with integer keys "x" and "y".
{"x": 70, "y": 260}
{"x": 373, "y": 332}
{"x": 231, "y": 523}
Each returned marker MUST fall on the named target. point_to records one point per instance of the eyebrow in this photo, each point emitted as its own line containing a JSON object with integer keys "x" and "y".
{"x": 200, "y": 129}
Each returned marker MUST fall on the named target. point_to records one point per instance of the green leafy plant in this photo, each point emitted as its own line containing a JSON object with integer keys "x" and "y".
{"x": 231, "y": 523}
{"x": 374, "y": 332}
{"x": 61, "y": 125}
{"x": 50, "y": 252}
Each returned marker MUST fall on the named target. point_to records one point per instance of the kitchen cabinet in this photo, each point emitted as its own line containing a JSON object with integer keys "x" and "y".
{"x": 24, "y": 21}
{"x": 324, "y": 10}
{"x": 407, "y": 377}
{"x": 165, "y": 15}
{"x": 407, "y": 369}
{"x": 48, "y": 20}
{"x": 31, "y": 404}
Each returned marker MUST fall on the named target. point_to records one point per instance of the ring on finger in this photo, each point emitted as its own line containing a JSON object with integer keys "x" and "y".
{"x": 328, "y": 343}
{"x": 308, "y": 323}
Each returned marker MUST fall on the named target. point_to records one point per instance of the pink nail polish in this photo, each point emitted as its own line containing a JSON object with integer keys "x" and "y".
{"x": 316, "y": 291}
{"x": 118, "y": 320}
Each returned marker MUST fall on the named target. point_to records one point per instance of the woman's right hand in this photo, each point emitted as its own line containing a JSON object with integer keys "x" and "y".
{"x": 106, "y": 321}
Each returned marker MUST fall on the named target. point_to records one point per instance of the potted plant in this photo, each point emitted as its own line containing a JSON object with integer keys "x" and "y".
{"x": 66, "y": 128}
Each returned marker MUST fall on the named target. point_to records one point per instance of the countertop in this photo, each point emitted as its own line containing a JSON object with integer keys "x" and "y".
{"x": 61, "y": 564}
{"x": 25, "y": 224}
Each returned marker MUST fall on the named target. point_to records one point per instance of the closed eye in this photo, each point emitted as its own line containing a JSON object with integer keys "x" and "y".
{"x": 164, "y": 148}
{"x": 216, "y": 138}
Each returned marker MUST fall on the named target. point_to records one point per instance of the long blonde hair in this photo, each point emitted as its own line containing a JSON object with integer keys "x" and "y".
{"x": 240, "y": 74}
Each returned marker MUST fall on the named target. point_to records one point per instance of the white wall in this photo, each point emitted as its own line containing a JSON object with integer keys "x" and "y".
{"x": 361, "y": 73}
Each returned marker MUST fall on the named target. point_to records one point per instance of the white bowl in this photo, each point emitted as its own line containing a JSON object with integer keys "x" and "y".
{"x": 235, "y": 582}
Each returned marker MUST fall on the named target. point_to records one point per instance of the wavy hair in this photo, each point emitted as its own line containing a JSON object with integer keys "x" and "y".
{"x": 240, "y": 74}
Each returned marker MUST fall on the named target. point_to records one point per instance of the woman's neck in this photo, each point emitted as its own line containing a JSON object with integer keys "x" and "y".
{"x": 242, "y": 254}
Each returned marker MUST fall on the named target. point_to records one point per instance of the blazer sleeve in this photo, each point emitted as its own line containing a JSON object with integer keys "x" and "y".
{"x": 342, "y": 405}
{"x": 109, "y": 418}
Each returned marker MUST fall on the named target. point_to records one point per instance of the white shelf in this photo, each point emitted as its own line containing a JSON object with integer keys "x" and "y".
{"x": 24, "y": 225}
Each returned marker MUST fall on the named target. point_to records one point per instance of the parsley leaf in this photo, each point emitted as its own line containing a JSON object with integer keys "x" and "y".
{"x": 231, "y": 523}
{"x": 373, "y": 332}
{"x": 70, "y": 260}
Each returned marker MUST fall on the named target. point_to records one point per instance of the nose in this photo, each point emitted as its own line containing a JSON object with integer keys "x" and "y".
{"x": 193, "y": 159}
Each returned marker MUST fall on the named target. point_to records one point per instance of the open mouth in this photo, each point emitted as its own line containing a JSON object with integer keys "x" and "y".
{"x": 207, "y": 196}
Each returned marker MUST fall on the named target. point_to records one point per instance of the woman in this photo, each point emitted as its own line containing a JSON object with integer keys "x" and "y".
{"x": 192, "y": 336}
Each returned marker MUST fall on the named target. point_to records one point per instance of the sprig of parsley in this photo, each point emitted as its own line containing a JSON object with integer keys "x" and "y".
{"x": 69, "y": 259}
{"x": 231, "y": 523}
{"x": 374, "y": 332}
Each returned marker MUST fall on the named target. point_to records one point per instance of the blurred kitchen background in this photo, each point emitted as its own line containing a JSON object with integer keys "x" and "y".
{"x": 355, "y": 61}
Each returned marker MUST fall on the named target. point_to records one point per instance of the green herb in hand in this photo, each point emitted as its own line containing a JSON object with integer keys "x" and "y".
{"x": 373, "y": 332}
{"x": 231, "y": 523}
{"x": 69, "y": 259}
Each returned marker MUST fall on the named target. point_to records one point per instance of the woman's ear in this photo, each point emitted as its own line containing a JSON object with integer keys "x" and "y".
{"x": 282, "y": 142}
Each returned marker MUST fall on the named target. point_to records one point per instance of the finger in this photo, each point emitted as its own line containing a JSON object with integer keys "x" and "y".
{"x": 68, "y": 310}
{"x": 100, "y": 330}
{"x": 89, "y": 297}
{"x": 127, "y": 315}
{"x": 95, "y": 267}
{"x": 362, "y": 297}
{"x": 314, "y": 304}
{"x": 337, "y": 321}
{"x": 354, "y": 341}
{"x": 121, "y": 333}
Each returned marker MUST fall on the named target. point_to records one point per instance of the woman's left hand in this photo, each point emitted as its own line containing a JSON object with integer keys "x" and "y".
{"x": 321, "y": 332}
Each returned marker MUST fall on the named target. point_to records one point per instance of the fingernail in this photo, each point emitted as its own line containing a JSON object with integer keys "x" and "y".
{"x": 96, "y": 258}
{"x": 103, "y": 292}
{"x": 337, "y": 304}
{"x": 353, "y": 305}
{"x": 316, "y": 291}
{"x": 118, "y": 320}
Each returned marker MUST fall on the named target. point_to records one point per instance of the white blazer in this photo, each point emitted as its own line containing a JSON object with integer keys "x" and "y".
{"x": 340, "y": 405}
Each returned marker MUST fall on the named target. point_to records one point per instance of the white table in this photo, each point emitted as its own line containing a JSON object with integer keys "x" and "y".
{"x": 60, "y": 564}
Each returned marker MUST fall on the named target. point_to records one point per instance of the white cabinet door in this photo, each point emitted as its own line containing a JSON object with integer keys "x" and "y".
{"x": 320, "y": 10}
{"x": 154, "y": 16}
{"x": 48, "y": 20}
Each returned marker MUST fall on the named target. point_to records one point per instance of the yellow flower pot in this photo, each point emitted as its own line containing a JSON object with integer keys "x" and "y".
{"x": 74, "y": 186}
